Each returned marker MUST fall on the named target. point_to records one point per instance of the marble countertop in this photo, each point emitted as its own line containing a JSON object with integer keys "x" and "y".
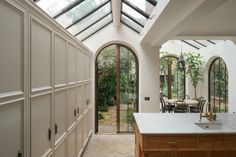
{"x": 182, "y": 123}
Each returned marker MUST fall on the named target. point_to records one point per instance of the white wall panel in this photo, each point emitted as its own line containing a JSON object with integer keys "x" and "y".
{"x": 40, "y": 124}
{"x": 61, "y": 150}
{"x": 79, "y": 100}
{"x": 10, "y": 129}
{"x": 71, "y": 56}
{"x": 71, "y": 144}
{"x": 60, "y": 61}
{"x": 11, "y": 48}
{"x": 60, "y": 114}
{"x": 79, "y": 66}
{"x": 79, "y": 137}
{"x": 71, "y": 106}
{"x": 40, "y": 55}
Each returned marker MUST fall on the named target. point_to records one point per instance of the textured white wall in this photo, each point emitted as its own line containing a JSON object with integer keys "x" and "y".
{"x": 148, "y": 62}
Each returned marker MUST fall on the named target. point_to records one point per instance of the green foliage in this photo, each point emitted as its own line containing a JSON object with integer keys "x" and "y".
{"x": 106, "y": 78}
{"x": 194, "y": 67}
{"x": 100, "y": 115}
{"x": 106, "y": 63}
{"x": 177, "y": 76}
{"x": 130, "y": 116}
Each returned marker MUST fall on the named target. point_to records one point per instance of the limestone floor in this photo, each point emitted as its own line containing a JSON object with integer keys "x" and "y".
{"x": 117, "y": 145}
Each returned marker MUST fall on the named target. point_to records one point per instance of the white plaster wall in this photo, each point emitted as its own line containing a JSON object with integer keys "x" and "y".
{"x": 227, "y": 51}
{"x": 148, "y": 62}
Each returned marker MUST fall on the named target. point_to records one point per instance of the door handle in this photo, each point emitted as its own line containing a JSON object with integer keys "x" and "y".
{"x": 49, "y": 134}
{"x": 19, "y": 154}
{"x": 55, "y": 128}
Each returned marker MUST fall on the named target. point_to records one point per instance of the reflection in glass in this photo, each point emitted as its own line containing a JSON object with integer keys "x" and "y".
{"x": 131, "y": 12}
{"x": 131, "y": 23}
{"x": 143, "y": 5}
{"x": 52, "y": 7}
{"x": 90, "y": 19}
{"x": 79, "y": 11}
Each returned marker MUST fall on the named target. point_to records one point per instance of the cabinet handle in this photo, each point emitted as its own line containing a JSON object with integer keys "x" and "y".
{"x": 74, "y": 112}
{"x": 49, "y": 134}
{"x": 19, "y": 154}
{"x": 77, "y": 110}
{"x": 172, "y": 143}
{"x": 55, "y": 128}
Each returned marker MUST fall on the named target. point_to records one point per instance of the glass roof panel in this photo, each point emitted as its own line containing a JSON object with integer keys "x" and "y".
{"x": 131, "y": 23}
{"x": 79, "y": 11}
{"x": 90, "y": 19}
{"x": 95, "y": 27}
{"x": 52, "y": 7}
{"x": 133, "y": 13}
{"x": 143, "y": 5}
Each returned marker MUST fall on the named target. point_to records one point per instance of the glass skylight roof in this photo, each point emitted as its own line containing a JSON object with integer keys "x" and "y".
{"x": 83, "y": 18}
{"x": 135, "y": 13}
{"x": 97, "y": 15}
{"x": 52, "y": 7}
{"x": 94, "y": 28}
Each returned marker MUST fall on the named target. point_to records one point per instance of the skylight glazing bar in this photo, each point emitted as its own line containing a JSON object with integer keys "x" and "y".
{"x": 97, "y": 30}
{"x": 199, "y": 43}
{"x": 130, "y": 27}
{"x": 211, "y": 41}
{"x": 140, "y": 11}
{"x": 190, "y": 44}
{"x": 153, "y": 2}
{"x": 131, "y": 18}
{"x": 67, "y": 8}
{"x": 89, "y": 13}
{"x": 93, "y": 23}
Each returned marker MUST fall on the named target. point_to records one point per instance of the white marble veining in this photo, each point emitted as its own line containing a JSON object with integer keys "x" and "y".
{"x": 182, "y": 123}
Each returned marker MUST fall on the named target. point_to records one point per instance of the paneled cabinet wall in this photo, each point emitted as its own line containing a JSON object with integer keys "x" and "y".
{"x": 45, "y": 85}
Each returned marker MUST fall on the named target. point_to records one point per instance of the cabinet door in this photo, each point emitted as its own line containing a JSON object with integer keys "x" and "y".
{"x": 79, "y": 101}
{"x": 79, "y": 137}
{"x": 10, "y": 129}
{"x": 60, "y": 117}
{"x": 85, "y": 127}
{"x": 61, "y": 150}
{"x": 71, "y": 144}
{"x": 40, "y": 125}
{"x": 71, "y": 106}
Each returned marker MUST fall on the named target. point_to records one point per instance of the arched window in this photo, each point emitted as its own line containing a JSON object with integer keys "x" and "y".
{"x": 218, "y": 85}
{"x": 172, "y": 80}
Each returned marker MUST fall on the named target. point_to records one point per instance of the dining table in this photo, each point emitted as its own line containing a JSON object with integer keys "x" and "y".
{"x": 189, "y": 102}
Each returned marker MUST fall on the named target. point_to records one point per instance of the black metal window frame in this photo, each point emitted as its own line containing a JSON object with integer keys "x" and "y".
{"x": 97, "y": 30}
{"x": 138, "y": 10}
{"x": 213, "y": 67}
{"x": 89, "y": 13}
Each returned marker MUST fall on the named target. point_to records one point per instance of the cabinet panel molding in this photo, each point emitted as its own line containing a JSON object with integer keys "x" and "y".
{"x": 12, "y": 48}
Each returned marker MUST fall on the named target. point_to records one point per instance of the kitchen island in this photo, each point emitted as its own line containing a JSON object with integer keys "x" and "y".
{"x": 182, "y": 135}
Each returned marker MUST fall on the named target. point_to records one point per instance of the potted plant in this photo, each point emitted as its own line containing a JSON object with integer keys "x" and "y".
{"x": 193, "y": 67}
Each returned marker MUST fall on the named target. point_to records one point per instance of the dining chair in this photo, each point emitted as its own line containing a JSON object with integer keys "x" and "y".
{"x": 181, "y": 107}
{"x": 164, "y": 106}
{"x": 199, "y": 108}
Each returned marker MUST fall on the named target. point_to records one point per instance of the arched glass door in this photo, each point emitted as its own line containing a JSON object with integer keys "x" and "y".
{"x": 218, "y": 85}
{"x": 116, "y": 89}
